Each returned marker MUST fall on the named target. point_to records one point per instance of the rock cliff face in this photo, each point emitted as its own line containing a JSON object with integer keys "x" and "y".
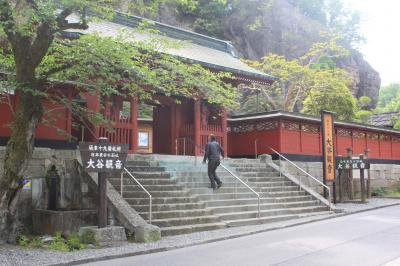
{"x": 281, "y": 28}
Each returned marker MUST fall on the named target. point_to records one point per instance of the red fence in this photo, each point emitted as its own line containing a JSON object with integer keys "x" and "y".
{"x": 293, "y": 136}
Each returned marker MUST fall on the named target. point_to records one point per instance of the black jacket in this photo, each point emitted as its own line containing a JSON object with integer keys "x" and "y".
{"x": 213, "y": 151}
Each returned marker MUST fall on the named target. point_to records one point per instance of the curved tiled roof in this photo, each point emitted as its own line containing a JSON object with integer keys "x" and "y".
{"x": 196, "y": 48}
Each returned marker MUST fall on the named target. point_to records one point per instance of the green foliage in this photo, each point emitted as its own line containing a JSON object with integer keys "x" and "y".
{"x": 380, "y": 191}
{"x": 23, "y": 241}
{"x": 337, "y": 99}
{"x": 389, "y": 97}
{"x": 74, "y": 242}
{"x": 312, "y": 82}
{"x": 208, "y": 15}
{"x": 88, "y": 237}
{"x": 336, "y": 16}
{"x": 59, "y": 243}
{"x": 37, "y": 242}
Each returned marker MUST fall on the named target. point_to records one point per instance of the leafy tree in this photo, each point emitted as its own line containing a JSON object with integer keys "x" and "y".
{"x": 33, "y": 57}
{"x": 315, "y": 71}
{"x": 388, "y": 96}
{"x": 337, "y": 99}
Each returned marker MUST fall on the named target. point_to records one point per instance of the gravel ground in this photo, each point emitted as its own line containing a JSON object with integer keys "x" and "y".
{"x": 14, "y": 255}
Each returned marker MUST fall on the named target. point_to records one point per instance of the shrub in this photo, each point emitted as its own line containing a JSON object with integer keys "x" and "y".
{"x": 23, "y": 240}
{"x": 58, "y": 243}
{"x": 37, "y": 242}
{"x": 380, "y": 191}
{"x": 88, "y": 237}
{"x": 74, "y": 242}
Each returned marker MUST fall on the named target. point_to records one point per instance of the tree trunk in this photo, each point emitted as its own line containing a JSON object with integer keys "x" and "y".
{"x": 18, "y": 153}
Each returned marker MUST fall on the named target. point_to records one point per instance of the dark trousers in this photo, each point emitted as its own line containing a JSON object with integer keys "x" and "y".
{"x": 212, "y": 167}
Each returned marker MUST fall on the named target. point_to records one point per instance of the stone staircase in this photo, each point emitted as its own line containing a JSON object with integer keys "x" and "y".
{"x": 183, "y": 203}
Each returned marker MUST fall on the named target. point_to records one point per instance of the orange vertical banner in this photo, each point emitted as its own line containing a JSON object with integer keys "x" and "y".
{"x": 328, "y": 148}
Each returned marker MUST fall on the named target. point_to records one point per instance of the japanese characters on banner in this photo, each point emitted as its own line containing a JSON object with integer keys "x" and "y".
{"x": 328, "y": 146}
{"x": 349, "y": 164}
{"x": 102, "y": 157}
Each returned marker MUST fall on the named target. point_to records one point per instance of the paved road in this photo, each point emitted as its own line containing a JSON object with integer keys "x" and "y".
{"x": 370, "y": 238}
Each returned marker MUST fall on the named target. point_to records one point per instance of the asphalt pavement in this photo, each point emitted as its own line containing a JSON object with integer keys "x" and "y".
{"x": 368, "y": 238}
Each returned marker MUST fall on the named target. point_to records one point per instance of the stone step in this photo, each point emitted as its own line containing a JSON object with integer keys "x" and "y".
{"x": 272, "y": 219}
{"x": 143, "y": 181}
{"x": 242, "y": 189}
{"x": 272, "y": 212}
{"x": 170, "y": 207}
{"x": 150, "y": 174}
{"x": 278, "y": 194}
{"x": 228, "y": 202}
{"x": 145, "y": 168}
{"x": 186, "y": 229}
{"x": 231, "y": 183}
{"x": 258, "y": 174}
{"x": 250, "y": 166}
{"x": 130, "y": 163}
{"x": 155, "y": 194}
{"x": 263, "y": 206}
{"x": 176, "y": 214}
{"x": 165, "y": 200}
{"x": 254, "y": 170}
{"x": 215, "y": 195}
{"x": 151, "y": 188}
{"x": 186, "y": 221}
{"x": 265, "y": 179}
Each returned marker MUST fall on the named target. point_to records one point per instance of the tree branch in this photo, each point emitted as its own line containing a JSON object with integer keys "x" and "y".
{"x": 7, "y": 20}
{"x": 57, "y": 69}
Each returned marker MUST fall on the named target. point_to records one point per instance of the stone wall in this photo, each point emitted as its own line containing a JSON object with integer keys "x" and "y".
{"x": 382, "y": 175}
{"x": 73, "y": 189}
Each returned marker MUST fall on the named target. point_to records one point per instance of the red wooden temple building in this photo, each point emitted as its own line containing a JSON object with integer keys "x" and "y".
{"x": 183, "y": 128}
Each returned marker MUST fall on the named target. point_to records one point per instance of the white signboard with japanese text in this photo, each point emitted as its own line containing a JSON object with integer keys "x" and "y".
{"x": 103, "y": 157}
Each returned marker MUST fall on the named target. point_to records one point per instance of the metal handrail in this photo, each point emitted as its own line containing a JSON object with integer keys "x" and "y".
{"x": 299, "y": 168}
{"x": 237, "y": 178}
{"x": 241, "y": 181}
{"x": 144, "y": 189}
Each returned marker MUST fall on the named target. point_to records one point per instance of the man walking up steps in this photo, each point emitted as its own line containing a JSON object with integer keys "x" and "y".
{"x": 213, "y": 153}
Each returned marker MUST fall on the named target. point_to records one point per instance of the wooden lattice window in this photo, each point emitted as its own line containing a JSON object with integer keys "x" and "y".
{"x": 344, "y": 132}
{"x": 243, "y": 128}
{"x": 358, "y": 135}
{"x": 310, "y": 128}
{"x": 290, "y": 125}
{"x": 384, "y": 137}
{"x": 372, "y": 136}
{"x": 268, "y": 125}
{"x": 395, "y": 139}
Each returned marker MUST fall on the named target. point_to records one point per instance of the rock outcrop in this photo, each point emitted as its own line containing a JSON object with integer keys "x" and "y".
{"x": 259, "y": 27}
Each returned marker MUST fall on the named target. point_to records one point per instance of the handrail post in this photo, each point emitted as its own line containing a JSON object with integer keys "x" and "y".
{"x": 122, "y": 184}
{"x": 176, "y": 146}
{"x": 184, "y": 146}
{"x": 303, "y": 171}
{"x": 280, "y": 167}
{"x": 255, "y": 148}
{"x": 150, "y": 208}
{"x": 258, "y": 206}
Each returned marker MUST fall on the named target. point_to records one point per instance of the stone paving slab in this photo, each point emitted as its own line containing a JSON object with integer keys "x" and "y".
{"x": 14, "y": 255}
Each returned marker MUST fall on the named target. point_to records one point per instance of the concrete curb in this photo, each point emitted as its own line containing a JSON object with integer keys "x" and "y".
{"x": 155, "y": 250}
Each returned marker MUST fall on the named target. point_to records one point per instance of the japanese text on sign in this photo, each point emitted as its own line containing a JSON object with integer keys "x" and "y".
{"x": 348, "y": 164}
{"x": 98, "y": 157}
{"x": 328, "y": 146}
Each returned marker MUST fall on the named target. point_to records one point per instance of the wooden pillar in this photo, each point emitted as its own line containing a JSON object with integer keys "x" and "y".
{"x": 224, "y": 125}
{"x": 197, "y": 127}
{"x": 362, "y": 182}
{"x": 69, "y": 114}
{"x": 366, "y": 157}
{"x": 134, "y": 123}
{"x": 174, "y": 135}
{"x": 349, "y": 185}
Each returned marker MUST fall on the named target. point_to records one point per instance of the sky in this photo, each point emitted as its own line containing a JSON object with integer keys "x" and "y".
{"x": 380, "y": 26}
